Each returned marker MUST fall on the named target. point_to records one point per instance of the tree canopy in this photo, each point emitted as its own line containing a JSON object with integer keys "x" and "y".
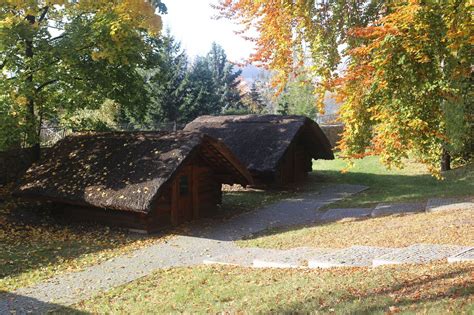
{"x": 180, "y": 90}
{"x": 401, "y": 68}
{"x": 59, "y": 56}
{"x": 167, "y": 83}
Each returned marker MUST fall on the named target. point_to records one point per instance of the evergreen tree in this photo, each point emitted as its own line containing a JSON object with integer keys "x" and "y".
{"x": 283, "y": 106}
{"x": 201, "y": 97}
{"x": 179, "y": 93}
{"x": 226, "y": 80}
{"x": 298, "y": 97}
{"x": 255, "y": 99}
{"x": 167, "y": 83}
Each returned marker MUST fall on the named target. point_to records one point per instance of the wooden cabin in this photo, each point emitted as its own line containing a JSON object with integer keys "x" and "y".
{"x": 140, "y": 180}
{"x": 277, "y": 150}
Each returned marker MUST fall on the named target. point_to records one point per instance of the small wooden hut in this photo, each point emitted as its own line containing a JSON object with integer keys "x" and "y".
{"x": 277, "y": 150}
{"x": 140, "y": 180}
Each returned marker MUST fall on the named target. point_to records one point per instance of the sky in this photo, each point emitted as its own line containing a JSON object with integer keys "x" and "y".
{"x": 191, "y": 22}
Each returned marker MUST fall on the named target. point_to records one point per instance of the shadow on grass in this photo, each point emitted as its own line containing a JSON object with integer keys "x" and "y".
{"x": 46, "y": 241}
{"x": 33, "y": 239}
{"x": 393, "y": 297}
{"x": 396, "y": 187}
{"x": 11, "y": 303}
{"x": 285, "y": 229}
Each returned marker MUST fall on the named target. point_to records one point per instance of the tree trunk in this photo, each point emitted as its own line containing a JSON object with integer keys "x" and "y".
{"x": 445, "y": 161}
{"x": 33, "y": 132}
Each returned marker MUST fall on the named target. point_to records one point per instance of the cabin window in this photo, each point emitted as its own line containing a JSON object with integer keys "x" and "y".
{"x": 183, "y": 185}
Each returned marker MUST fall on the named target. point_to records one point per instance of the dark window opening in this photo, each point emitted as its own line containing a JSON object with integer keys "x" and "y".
{"x": 183, "y": 185}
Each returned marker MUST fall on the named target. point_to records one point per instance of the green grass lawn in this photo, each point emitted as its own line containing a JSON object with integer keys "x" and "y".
{"x": 429, "y": 289}
{"x": 243, "y": 200}
{"x": 412, "y": 183}
{"x": 34, "y": 250}
{"x": 408, "y": 184}
{"x": 453, "y": 227}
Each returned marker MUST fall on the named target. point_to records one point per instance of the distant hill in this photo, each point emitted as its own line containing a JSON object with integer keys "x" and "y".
{"x": 250, "y": 72}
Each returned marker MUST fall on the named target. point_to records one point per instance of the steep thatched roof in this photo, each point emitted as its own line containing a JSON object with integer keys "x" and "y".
{"x": 260, "y": 141}
{"x": 122, "y": 170}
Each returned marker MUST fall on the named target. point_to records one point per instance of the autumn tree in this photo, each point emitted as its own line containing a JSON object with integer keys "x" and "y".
{"x": 408, "y": 86}
{"x": 60, "y": 56}
{"x": 291, "y": 31}
{"x": 405, "y": 86}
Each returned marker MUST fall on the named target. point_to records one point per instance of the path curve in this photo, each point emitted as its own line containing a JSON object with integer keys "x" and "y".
{"x": 211, "y": 240}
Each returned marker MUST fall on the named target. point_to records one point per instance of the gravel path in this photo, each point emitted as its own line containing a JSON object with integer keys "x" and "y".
{"x": 354, "y": 256}
{"x": 288, "y": 212}
{"x": 214, "y": 243}
{"x": 205, "y": 242}
{"x": 73, "y": 287}
{"x": 419, "y": 254}
{"x": 449, "y": 204}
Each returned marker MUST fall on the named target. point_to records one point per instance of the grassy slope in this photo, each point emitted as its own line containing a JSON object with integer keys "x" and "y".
{"x": 390, "y": 231}
{"x": 32, "y": 252}
{"x": 411, "y": 183}
{"x": 433, "y": 289}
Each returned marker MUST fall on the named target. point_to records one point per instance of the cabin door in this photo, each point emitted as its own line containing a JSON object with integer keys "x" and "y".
{"x": 183, "y": 210}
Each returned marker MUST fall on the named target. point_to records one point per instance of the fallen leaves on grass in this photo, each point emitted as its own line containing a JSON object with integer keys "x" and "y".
{"x": 33, "y": 247}
{"x": 437, "y": 287}
{"x": 450, "y": 227}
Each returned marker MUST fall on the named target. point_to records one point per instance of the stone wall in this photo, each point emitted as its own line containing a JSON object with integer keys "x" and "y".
{"x": 14, "y": 163}
{"x": 333, "y": 132}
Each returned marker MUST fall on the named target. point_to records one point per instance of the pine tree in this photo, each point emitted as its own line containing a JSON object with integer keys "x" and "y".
{"x": 225, "y": 78}
{"x": 168, "y": 83}
{"x": 298, "y": 97}
{"x": 256, "y": 101}
{"x": 201, "y": 97}
{"x": 283, "y": 106}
